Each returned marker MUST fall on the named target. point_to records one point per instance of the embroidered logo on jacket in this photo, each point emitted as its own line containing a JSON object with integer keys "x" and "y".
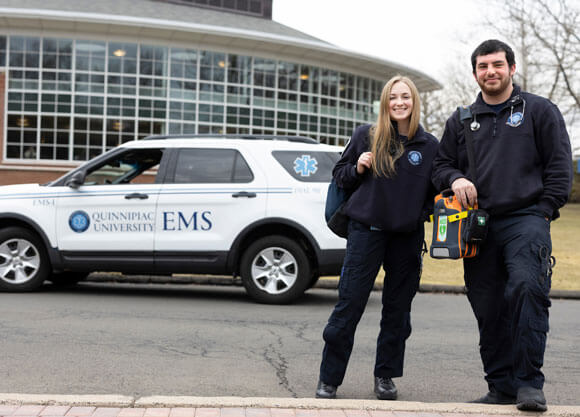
{"x": 515, "y": 119}
{"x": 415, "y": 157}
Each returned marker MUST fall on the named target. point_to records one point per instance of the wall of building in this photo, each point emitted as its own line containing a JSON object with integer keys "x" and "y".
{"x": 68, "y": 100}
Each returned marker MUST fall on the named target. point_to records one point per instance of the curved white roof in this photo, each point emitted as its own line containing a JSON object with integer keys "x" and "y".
{"x": 151, "y": 21}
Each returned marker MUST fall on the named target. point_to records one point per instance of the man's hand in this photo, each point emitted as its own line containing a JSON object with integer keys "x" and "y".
{"x": 364, "y": 162}
{"x": 465, "y": 192}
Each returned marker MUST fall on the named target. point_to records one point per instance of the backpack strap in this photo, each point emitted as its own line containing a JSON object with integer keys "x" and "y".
{"x": 465, "y": 117}
{"x": 464, "y": 113}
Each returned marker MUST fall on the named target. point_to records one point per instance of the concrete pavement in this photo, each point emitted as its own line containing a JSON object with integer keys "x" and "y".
{"x": 28, "y": 405}
{"x": 32, "y": 405}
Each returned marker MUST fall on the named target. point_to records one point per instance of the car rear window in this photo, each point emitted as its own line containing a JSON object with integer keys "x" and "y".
{"x": 308, "y": 166}
{"x": 205, "y": 166}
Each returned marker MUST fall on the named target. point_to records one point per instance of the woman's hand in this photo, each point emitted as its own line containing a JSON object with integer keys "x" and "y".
{"x": 365, "y": 160}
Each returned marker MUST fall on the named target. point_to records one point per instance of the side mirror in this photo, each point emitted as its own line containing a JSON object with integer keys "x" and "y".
{"x": 76, "y": 180}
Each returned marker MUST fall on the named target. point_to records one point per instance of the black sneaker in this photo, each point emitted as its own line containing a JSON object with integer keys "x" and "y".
{"x": 531, "y": 399}
{"x": 324, "y": 390}
{"x": 385, "y": 388}
{"x": 495, "y": 397}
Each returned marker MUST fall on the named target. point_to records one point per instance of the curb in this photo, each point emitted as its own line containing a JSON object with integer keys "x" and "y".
{"x": 330, "y": 283}
{"x": 119, "y": 401}
{"x": 70, "y": 400}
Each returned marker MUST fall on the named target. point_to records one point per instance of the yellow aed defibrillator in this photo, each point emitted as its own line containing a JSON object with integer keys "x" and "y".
{"x": 457, "y": 232}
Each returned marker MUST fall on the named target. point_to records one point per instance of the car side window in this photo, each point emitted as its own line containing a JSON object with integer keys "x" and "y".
{"x": 203, "y": 166}
{"x": 135, "y": 166}
{"x": 308, "y": 166}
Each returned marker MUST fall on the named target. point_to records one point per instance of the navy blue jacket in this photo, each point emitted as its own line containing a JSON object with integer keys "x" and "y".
{"x": 517, "y": 165}
{"x": 399, "y": 203}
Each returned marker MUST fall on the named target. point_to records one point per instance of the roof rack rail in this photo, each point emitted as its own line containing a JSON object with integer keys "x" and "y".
{"x": 302, "y": 139}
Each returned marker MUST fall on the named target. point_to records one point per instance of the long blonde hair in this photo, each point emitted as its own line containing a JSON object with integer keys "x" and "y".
{"x": 383, "y": 133}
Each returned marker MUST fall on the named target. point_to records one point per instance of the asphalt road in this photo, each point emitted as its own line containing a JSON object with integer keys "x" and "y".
{"x": 196, "y": 340}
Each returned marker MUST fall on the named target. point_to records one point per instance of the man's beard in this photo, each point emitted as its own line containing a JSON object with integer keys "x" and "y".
{"x": 497, "y": 89}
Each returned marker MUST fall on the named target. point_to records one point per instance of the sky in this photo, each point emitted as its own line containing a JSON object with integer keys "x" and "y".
{"x": 421, "y": 34}
{"x": 426, "y": 35}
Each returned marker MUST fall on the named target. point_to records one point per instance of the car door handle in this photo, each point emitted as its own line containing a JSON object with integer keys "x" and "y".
{"x": 136, "y": 195}
{"x": 244, "y": 194}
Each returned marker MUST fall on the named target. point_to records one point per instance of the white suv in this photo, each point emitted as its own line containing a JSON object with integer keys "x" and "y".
{"x": 250, "y": 206}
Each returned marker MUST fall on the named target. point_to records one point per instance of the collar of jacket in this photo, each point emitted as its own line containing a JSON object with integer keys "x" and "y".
{"x": 419, "y": 134}
{"x": 480, "y": 107}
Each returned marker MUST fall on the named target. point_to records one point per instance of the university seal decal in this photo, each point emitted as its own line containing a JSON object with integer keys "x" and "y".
{"x": 79, "y": 221}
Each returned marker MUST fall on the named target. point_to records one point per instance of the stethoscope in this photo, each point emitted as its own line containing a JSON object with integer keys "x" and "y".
{"x": 474, "y": 126}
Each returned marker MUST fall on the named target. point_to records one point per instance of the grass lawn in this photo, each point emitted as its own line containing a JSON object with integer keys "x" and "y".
{"x": 565, "y": 247}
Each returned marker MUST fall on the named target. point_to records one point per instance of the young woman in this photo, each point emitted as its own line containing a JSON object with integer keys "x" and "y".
{"x": 388, "y": 165}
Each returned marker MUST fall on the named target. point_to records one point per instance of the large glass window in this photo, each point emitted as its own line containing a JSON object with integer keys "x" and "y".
{"x": 111, "y": 92}
{"x": 2, "y": 51}
{"x": 119, "y": 131}
{"x": 57, "y": 53}
{"x": 90, "y": 83}
{"x": 152, "y": 87}
{"x": 122, "y": 57}
{"x": 264, "y": 72}
{"x": 23, "y": 80}
{"x": 87, "y": 138}
{"x": 54, "y": 137}
{"x": 56, "y": 80}
{"x": 56, "y": 103}
{"x": 183, "y": 63}
{"x": 21, "y": 136}
{"x": 238, "y": 116}
{"x": 24, "y": 52}
{"x": 153, "y": 60}
{"x": 183, "y": 110}
{"x": 150, "y": 127}
{"x": 212, "y": 66}
{"x": 239, "y": 69}
{"x": 126, "y": 85}
{"x": 90, "y": 55}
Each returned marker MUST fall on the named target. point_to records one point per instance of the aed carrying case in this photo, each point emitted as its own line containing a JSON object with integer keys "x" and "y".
{"x": 456, "y": 231}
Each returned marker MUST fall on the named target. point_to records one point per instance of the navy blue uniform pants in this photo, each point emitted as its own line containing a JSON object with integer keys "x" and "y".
{"x": 508, "y": 285}
{"x": 400, "y": 255}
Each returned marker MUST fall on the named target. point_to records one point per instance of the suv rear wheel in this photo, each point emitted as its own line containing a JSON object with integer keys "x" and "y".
{"x": 275, "y": 270}
{"x": 23, "y": 260}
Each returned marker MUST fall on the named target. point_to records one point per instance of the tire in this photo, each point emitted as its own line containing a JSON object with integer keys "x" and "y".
{"x": 24, "y": 264}
{"x": 313, "y": 281}
{"x": 275, "y": 270}
{"x": 67, "y": 278}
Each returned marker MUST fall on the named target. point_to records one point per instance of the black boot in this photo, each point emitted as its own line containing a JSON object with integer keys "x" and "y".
{"x": 385, "y": 389}
{"x": 531, "y": 399}
{"x": 495, "y": 397}
{"x": 325, "y": 390}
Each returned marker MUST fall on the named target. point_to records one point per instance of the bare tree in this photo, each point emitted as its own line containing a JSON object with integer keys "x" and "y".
{"x": 544, "y": 35}
{"x": 459, "y": 89}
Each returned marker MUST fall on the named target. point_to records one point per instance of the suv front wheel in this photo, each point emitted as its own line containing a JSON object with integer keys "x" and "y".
{"x": 23, "y": 261}
{"x": 275, "y": 270}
